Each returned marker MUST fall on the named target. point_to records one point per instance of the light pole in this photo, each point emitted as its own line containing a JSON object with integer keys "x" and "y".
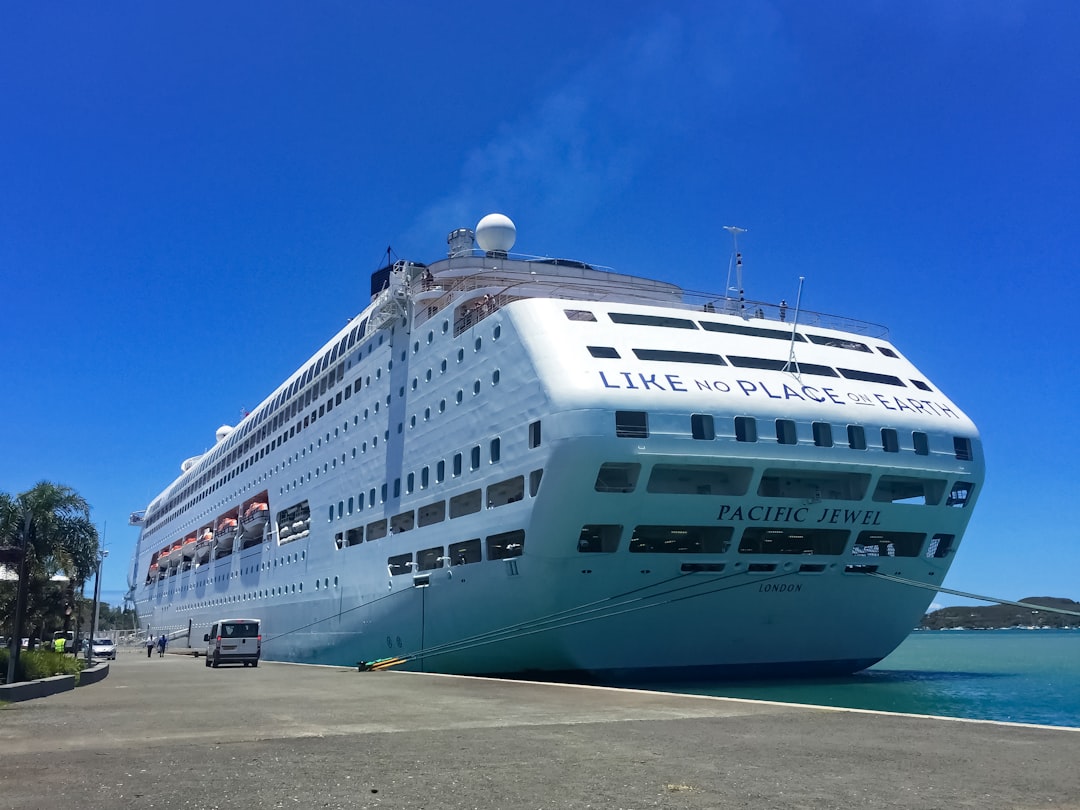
{"x": 102, "y": 554}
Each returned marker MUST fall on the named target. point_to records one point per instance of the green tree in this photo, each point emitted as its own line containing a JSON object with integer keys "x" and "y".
{"x": 60, "y": 539}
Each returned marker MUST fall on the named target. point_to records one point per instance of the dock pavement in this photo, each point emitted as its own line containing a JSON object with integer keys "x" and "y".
{"x": 171, "y": 733}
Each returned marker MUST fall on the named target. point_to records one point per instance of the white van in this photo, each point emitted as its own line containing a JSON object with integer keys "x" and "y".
{"x": 233, "y": 641}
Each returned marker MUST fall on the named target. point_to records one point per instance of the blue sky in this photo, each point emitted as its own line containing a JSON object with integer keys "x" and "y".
{"x": 192, "y": 198}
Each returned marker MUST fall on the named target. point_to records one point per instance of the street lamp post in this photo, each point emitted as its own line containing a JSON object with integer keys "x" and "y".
{"x": 97, "y": 604}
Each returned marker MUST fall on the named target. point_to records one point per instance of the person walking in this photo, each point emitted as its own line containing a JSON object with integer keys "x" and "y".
{"x": 161, "y": 642}
{"x": 149, "y": 645}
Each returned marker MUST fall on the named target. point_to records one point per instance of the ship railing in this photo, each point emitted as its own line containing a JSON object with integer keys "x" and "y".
{"x": 500, "y": 288}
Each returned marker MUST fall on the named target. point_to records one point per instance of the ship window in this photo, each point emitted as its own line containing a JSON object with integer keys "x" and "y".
{"x": 890, "y": 443}
{"x": 376, "y": 530}
{"x": 402, "y": 523}
{"x": 371, "y": 497}
{"x": 960, "y": 494}
{"x": 474, "y": 458}
{"x": 962, "y": 447}
{"x": 754, "y": 331}
{"x": 400, "y": 564}
{"x": 888, "y": 544}
{"x": 838, "y": 343}
{"x": 360, "y": 502}
{"x": 330, "y": 517}
{"x": 579, "y": 315}
{"x": 425, "y": 475}
{"x": 921, "y": 385}
{"x": 431, "y": 513}
{"x": 940, "y": 545}
{"x": 871, "y": 376}
{"x": 506, "y": 544}
{"x": 440, "y": 472}
{"x": 921, "y": 442}
{"x": 382, "y": 494}
{"x": 686, "y": 479}
{"x": 651, "y": 320}
{"x": 465, "y": 552}
{"x": 504, "y": 492}
{"x": 792, "y": 540}
{"x": 781, "y": 365}
{"x": 457, "y": 464}
{"x": 340, "y": 509}
{"x": 534, "y": 434}
{"x": 429, "y": 559}
{"x": 680, "y": 539}
{"x": 886, "y": 351}
{"x": 822, "y": 434}
{"x": 701, "y": 426}
{"x": 811, "y": 485}
{"x": 856, "y": 437}
{"x": 672, "y": 356}
{"x": 631, "y": 424}
{"x": 785, "y": 432}
{"x": 617, "y": 477}
{"x": 745, "y": 429}
{"x": 410, "y": 483}
{"x": 534, "y": 482}
{"x": 354, "y": 537}
{"x": 603, "y": 351}
{"x": 599, "y": 538}
{"x": 902, "y": 489}
{"x": 465, "y": 504}
{"x": 495, "y": 450}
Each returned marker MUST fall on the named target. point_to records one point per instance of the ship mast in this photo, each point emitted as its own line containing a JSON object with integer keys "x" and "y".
{"x": 736, "y": 265}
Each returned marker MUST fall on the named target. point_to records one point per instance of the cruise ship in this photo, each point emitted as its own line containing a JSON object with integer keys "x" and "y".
{"x": 541, "y": 467}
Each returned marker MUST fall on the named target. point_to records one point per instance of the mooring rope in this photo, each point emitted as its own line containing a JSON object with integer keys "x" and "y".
{"x": 939, "y": 589}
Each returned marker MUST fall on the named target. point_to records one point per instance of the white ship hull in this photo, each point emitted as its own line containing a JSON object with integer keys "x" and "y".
{"x": 493, "y": 497}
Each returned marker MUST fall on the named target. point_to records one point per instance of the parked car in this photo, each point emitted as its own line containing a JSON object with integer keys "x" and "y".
{"x": 103, "y": 648}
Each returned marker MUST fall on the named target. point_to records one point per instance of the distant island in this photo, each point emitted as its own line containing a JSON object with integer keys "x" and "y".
{"x": 997, "y": 617}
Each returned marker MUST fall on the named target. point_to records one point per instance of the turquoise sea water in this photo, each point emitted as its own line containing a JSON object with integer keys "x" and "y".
{"x": 1021, "y": 676}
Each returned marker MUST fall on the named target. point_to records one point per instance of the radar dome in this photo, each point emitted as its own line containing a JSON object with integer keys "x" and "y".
{"x": 495, "y": 233}
{"x": 223, "y": 432}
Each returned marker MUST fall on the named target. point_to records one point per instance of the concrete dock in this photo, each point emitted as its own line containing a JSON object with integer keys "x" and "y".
{"x": 170, "y": 733}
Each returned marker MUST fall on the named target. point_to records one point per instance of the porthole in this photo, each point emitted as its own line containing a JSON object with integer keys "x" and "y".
{"x": 495, "y": 377}
{"x": 460, "y": 395}
{"x": 442, "y": 367}
{"x": 430, "y": 336}
{"x": 442, "y": 405}
{"x": 445, "y": 326}
{"x": 460, "y": 355}
{"x": 496, "y": 332}
{"x": 476, "y": 345}
{"x": 476, "y": 388}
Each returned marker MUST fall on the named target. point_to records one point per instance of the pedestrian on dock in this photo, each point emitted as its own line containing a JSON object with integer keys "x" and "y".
{"x": 149, "y": 645}
{"x": 161, "y": 642}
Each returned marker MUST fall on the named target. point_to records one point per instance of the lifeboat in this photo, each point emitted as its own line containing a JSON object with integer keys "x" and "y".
{"x": 224, "y": 535}
{"x": 254, "y": 518}
{"x": 152, "y": 574}
{"x": 203, "y": 546}
{"x": 176, "y": 554}
{"x": 187, "y": 550}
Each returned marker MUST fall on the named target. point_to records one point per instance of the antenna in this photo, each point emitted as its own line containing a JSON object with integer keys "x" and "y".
{"x": 792, "y": 362}
{"x": 736, "y": 263}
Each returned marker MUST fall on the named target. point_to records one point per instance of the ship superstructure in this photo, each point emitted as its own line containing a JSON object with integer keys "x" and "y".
{"x": 510, "y": 464}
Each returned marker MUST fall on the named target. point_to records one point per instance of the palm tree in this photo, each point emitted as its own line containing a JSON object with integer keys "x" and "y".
{"x": 51, "y": 524}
